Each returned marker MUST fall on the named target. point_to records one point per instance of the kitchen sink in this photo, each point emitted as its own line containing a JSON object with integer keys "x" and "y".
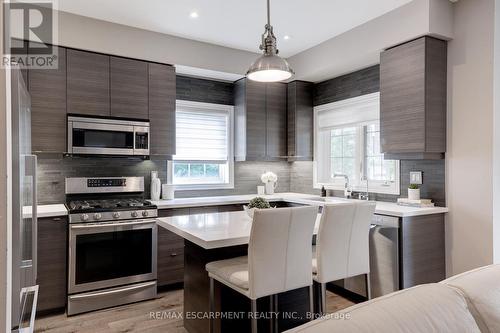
{"x": 326, "y": 199}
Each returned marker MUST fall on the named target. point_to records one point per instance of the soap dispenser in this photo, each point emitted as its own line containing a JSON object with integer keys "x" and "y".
{"x": 323, "y": 191}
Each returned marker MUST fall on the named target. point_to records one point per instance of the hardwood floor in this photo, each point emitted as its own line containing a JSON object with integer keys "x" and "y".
{"x": 160, "y": 315}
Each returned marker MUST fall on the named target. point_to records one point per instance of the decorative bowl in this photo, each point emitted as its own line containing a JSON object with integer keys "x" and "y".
{"x": 249, "y": 211}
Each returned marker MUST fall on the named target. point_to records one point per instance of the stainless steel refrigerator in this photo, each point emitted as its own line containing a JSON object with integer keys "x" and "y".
{"x": 24, "y": 211}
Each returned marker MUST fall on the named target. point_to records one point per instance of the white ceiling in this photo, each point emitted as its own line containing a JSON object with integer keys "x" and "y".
{"x": 239, "y": 23}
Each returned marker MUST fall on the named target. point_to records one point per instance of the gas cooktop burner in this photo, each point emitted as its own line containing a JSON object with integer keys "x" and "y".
{"x": 107, "y": 204}
{"x": 99, "y": 200}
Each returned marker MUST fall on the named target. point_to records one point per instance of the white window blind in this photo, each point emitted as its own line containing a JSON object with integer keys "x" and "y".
{"x": 204, "y": 146}
{"x": 202, "y": 136}
{"x": 351, "y": 111}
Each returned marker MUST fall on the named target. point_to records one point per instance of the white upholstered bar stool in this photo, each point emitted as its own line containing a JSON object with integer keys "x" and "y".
{"x": 342, "y": 245}
{"x": 279, "y": 258}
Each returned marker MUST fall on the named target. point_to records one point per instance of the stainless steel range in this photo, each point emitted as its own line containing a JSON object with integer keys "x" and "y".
{"x": 112, "y": 243}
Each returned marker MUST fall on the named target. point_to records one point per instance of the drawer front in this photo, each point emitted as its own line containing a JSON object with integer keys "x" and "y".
{"x": 170, "y": 258}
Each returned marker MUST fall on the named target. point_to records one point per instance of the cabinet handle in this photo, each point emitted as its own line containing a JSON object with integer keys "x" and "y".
{"x": 56, "y": 219}
{"x": 173, "y": 254}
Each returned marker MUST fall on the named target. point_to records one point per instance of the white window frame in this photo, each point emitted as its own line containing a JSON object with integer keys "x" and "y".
{"x": 207, "y": 108}
{"x": 343, "y": 117}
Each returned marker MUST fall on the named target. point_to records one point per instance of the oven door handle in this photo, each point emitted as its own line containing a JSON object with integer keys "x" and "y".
{"x": 107, "y": 225}
{"x": 114, "y": 291}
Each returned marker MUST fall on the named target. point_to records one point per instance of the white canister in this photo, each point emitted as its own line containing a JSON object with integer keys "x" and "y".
{"x": 167, "y": 192}
{"x": 414, "y": 194}
{"x": 261, "y": 190}
{"x": 155, "y": 186}
{"x": 270, "y": 187}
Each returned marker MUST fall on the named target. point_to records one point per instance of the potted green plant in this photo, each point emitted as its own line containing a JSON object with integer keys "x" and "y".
{"x": 413, "y": 192}
{"x": 256, "y": 203}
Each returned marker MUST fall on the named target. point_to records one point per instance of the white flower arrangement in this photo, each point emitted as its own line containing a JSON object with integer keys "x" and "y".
{"x": 269, "y": 177}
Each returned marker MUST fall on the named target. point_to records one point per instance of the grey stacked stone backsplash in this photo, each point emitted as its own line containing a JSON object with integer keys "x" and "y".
{"x": 52, "y": 172}
{"x": 362, "y": 82}
{"x": 203, "y": 90}
{"x": 433, "y": 186}
{"x": 247, "y": 178}
{"x": 293, "y": 177}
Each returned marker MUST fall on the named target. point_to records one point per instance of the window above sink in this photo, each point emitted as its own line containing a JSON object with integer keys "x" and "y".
{"x": 347, "y": 142}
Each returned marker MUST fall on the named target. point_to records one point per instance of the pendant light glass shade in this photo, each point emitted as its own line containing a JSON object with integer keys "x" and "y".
{"x": 269, "y": 67}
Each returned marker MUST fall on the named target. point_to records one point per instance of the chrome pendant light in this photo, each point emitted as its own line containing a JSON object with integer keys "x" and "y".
{"x": 269, "y": 67}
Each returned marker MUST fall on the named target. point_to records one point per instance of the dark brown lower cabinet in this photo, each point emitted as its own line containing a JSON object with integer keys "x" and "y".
{"x": 170, "y": 258}
{"x": 52, "y": 255}
{"x": 170, "y": 263}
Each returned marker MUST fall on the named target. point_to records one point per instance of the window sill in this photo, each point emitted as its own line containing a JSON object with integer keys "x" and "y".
{"x": 192, "y": 187}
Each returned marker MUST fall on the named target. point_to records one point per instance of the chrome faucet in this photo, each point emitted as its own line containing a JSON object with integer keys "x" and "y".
{"x": 366, "y": 195}
{"x": 347, "y": 187}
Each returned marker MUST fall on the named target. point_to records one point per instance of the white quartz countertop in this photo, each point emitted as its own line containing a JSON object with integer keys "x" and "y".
{"x": 46, "y": 211}
{"x": 213, "y": 230}
{"x": 383, "y": 208}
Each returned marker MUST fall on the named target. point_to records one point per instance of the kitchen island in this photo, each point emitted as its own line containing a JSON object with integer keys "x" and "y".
{"x": 217, "y": 236}
{"x": 406, "y": 251}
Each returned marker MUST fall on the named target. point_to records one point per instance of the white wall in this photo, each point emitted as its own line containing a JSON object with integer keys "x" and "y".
{"x": 469, "y": 163}
{"x": 350, "y": 51}
{"x": 496, "y": 138}
{"x": 111, "y": 38}
{"x": 360, "y": 47}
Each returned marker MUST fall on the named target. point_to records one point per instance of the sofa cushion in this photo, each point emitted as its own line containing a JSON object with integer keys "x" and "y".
{"x": 421, "y": 309}
{"x": 481, "y": 288}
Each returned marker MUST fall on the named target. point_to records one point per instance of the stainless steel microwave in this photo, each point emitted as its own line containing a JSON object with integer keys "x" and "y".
{"x": 107, "y": 136}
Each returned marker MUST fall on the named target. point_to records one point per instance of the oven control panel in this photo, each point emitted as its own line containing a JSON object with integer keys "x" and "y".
{"x": 84, "y": 185}
{"x": 112, "y": 216}
{"x": 106, "y": 182}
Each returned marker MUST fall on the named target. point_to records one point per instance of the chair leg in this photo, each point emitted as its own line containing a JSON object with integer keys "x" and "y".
{"x": 311, "y": 301}
{"x": 323, "y": 299}
{"x": 254, "y": 315}
{"x": 368, "y": 286}
{"x": 271, "y": 312}
{"x": 212, "y": 305}
{"x": 275, "y": 309}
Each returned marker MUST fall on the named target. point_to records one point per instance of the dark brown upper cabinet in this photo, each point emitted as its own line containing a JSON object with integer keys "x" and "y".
{"x": 48, "y": 104}
{"x": 276, "y": 120}
{"x": 300, "y": 121}
{"x": 413, "y": 100}
{"x": 162, "y": 94}
{"x": 88, "y": 83}
{"x": 129, "y": 88}
{"x": 260, "y": 121}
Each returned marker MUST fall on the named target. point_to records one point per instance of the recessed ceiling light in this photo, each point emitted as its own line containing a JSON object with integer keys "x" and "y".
{"x": 286, "y": 37}
{"x": 193, "y": 15}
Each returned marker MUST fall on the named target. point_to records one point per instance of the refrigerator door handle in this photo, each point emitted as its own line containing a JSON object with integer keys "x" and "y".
{"x": 31, "y": 161}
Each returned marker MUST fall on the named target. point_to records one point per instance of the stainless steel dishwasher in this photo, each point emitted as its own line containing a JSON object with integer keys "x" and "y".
{"x": 384, "y": 259}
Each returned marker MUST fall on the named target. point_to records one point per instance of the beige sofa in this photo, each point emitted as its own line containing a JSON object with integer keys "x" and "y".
{"x": 469, "y": 302}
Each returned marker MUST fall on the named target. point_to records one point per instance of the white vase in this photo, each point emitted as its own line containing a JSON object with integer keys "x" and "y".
{"x": 414, "y": 194}
{"x": 155, "y": 186}
{"x": 270, "y": 187}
